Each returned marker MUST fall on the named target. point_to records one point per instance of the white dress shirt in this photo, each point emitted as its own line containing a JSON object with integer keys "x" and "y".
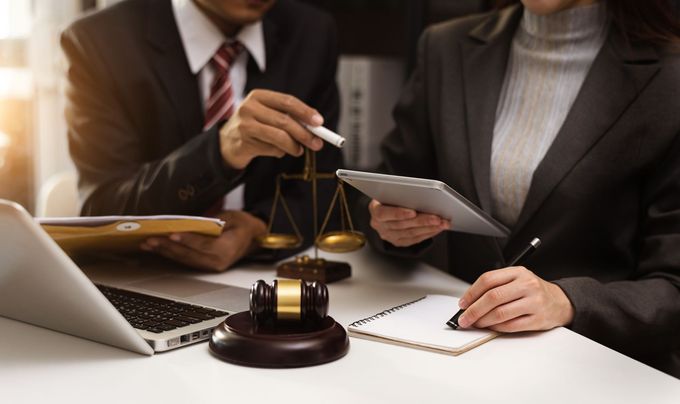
{"x": 201, "y": 39}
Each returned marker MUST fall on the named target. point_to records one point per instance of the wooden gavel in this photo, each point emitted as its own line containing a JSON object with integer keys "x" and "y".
{"x": 288, "y": 300}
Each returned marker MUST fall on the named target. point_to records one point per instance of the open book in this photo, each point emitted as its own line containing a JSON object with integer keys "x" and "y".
{"x": 421, "y": 324}
{"x": 95, "y": 234}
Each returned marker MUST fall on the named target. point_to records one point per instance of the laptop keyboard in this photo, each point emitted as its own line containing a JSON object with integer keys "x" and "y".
{"x": 155, "y": 314}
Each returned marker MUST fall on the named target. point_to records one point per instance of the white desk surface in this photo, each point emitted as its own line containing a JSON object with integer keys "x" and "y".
{"x": 558, "y": 366}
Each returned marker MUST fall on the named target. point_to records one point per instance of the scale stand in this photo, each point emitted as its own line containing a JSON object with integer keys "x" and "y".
{"x": 345, "y": 240}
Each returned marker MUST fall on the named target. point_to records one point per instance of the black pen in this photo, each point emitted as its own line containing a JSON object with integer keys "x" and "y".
{"x": 519, "y": 259}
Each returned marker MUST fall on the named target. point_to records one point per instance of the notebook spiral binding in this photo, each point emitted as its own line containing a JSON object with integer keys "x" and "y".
{"x": 383, "y": 313}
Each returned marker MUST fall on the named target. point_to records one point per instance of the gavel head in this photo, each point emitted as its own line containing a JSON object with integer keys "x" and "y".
{"x": 288, "y": 300}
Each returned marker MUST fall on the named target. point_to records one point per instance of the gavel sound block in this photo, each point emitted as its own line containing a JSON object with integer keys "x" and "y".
{"x": 286, "y": 327}
{"x": 314, "y": 269}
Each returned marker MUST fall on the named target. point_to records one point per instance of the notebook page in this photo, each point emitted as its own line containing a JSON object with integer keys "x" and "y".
{"x": 423, "y": 322}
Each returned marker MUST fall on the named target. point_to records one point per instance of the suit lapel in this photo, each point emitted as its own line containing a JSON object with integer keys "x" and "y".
{"x": 172, "y": 67}
{"x": 485, "y": 55}
{"x": 618, "y": 74}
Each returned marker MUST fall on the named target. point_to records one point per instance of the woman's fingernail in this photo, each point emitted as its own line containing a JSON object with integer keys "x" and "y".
{"x": 463, "y": 321}
{"x": 462, "y": 303}
{"x": 176, "y": 237}
{"x": 317, "y": 143}
{"x": 317, "y": 119}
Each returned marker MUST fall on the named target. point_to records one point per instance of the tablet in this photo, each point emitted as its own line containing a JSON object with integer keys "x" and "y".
{"x": 428, "y": 196}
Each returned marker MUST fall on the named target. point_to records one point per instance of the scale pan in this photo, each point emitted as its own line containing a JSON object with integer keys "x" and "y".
{"x": 341, "y": 241}
{"x": 279, "y": 241}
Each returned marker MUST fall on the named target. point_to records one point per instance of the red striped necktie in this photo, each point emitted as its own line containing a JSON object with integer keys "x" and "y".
{"x": 220, "y": 104}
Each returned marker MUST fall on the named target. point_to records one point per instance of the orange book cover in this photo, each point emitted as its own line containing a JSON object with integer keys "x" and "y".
{"x": 96, "y": 234}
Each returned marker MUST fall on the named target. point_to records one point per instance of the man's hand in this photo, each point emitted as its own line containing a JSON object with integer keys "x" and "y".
{"x": 514, "y": 299}
{"x": 267, "y": 123}
{"x": 404, "y": 227}
{"x": 211, "y": 253}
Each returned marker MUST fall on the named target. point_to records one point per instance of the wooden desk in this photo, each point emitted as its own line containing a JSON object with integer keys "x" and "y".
{"x": 558, "y": 366}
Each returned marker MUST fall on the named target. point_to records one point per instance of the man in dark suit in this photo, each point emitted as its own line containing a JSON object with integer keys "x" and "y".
{"x": 174, "y": 103}
{"x": 604, "y": 198}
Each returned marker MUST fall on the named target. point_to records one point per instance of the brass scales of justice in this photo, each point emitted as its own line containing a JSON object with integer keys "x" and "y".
{"x": 345, "y": 240}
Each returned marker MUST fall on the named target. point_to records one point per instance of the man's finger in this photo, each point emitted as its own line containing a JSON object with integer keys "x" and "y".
{"x": 185, "y": 255}
{"x": 197, "y": 242}
{"x": 293, "y": 129}
{"x": 290, "y": 105}
{"x": 266, "y": 149}
{"x": 273, "y": 136}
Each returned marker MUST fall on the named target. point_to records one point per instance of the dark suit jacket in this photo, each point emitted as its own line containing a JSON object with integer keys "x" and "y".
{"x": 605, "y": 200}
{"x": 135, "y": 118}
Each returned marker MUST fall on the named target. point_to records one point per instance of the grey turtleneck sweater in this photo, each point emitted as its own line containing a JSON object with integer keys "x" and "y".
{"x": 549, "y": 60}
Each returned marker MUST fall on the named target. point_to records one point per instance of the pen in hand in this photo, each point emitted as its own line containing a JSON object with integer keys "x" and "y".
{"x": 518, "y": 260}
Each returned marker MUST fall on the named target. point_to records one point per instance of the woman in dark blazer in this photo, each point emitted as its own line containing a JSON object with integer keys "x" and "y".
{"x": 561, "y": 119}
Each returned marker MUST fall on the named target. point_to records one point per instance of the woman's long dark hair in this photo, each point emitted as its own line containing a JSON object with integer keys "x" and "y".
{"x": 655, "y": 21}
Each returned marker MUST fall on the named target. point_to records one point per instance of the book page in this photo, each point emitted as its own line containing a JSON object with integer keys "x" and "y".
{"x": 423, "y": 323}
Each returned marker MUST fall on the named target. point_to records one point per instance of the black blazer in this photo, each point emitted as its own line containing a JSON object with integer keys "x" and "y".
{"x": 605, "y": 200}
{"x": 135, "y": 118}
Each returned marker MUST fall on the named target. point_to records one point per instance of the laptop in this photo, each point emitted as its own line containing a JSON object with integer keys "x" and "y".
{"x": 133, "y": 306}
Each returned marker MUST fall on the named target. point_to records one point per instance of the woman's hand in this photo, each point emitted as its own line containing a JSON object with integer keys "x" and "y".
{"x": 404, "y": 227}
{"x": 514, "y": 299}
{"x": 211, "y": 253}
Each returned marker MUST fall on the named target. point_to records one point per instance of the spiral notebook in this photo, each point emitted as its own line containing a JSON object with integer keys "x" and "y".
{"x": 421, "y": 324}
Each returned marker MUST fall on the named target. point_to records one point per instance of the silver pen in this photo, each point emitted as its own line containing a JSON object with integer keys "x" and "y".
{"x": 326, "y": 134}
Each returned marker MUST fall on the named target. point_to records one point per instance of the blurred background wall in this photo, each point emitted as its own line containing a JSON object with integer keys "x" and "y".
{"x": 32, "y": 129}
